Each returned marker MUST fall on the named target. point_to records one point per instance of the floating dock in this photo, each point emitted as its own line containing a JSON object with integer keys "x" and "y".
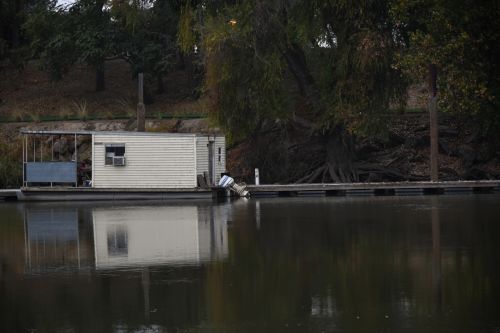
{"x": 274, "y": 190}
{"x": 95, "y": 194}
{"x": 9, "y": 194}
{"x": 373, "y": 189}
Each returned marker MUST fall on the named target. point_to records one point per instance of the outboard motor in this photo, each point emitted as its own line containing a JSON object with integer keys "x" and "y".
{"x": 228, "y": 182}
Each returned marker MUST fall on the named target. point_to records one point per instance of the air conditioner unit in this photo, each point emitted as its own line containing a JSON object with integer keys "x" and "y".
{"x": 119, "y": 160}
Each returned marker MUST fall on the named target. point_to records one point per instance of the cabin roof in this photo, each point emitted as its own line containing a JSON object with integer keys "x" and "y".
{"x": 124, "y": 133}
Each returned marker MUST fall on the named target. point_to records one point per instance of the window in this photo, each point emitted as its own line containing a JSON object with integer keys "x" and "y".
{"x": 115, "y": 154}
{"x": 220, "y": 155}
{"x": 117, "y": 240}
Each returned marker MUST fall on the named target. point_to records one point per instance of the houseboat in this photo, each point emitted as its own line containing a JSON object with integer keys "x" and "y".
{"x": 99, "y": 165}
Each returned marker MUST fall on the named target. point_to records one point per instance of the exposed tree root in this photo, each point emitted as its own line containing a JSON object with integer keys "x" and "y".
{"x": 296, "y": 154}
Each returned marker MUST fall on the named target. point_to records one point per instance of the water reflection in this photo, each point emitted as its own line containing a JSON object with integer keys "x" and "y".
{"x": 123, "y": 237}
{"x": 436, "y": 256}
{"x": 296, "y": 264}
{"x": 146, "y": 236}
{"x": 364, "y": 264}
{"x": 52, "y": 240}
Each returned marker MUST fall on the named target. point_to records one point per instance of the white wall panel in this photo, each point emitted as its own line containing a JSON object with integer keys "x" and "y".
{"x": 202, "y": 155}
{"x": 152, "y": 161}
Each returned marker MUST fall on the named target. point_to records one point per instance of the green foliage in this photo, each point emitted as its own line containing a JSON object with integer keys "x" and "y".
{"x": 92, "y": 32}
{"x": 14, "y": 46}
{"x": 344, "y": 63}
{"x": 62, "y": 36}
{"x": 246, "y": 89}
{"x": 355, "y": 74}
{"x": 186, "y": 37}
{"x": 141, "y": 31}
{"x": 463, "y": 39}
{"x": 330, "y": 63}
{"x": 146, "y": 33}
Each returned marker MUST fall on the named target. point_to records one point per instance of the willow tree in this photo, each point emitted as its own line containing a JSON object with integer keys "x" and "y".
{"x": 318, "y": 69}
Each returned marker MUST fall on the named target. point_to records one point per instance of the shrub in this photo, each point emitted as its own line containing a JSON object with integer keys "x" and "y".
{"x": 10, "y": 164}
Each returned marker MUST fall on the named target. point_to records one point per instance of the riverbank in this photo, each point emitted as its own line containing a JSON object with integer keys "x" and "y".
{"x": 402, "y": 156}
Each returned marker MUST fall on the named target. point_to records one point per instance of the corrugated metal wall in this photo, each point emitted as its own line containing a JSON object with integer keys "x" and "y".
{"x": 152, "y": 161}
{"x": 202, "y": 155}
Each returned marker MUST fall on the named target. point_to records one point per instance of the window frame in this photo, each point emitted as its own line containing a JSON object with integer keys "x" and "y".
{"x": 110, "y": 155}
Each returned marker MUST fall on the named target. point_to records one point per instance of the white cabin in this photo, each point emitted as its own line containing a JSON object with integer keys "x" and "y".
{"x": 153, "y": 160}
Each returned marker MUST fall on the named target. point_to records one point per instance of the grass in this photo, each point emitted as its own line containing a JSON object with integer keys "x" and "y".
{"x": 10, "y": 170}
{"x": 415, "y": 110}
{"x": 81, "y": 108}
{"x": 127, "y": 105}
{"x": 81, "y": 117}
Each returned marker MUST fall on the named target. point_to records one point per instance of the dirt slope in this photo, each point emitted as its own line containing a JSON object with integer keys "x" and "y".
{"x": 31, "y": 92}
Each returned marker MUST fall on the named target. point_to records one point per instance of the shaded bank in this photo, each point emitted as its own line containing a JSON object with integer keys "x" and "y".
{"x": 288, "y": 155}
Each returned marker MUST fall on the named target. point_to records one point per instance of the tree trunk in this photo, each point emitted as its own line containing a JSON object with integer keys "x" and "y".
{"x": 16, "y": 25}
{"x": 339, "y": 156}
{"x": 160, "y": 86}
{"x": 297, "y": 65}
{"x": 339, "y": 145}
{"x": 100, "y": 83}
{"x": 181, "y": 61}
{"x": 15, "y": 36}
{"x": 433, "y": 123}
{"x": 141, "y": 110}
{"x": 332, "y": 161}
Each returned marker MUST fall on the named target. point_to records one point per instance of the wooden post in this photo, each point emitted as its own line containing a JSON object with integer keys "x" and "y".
{"x": 146, "y": 286}
{"x": 211, "y": 160}
{"x": 76, "y": 162}
{"x": 141, "y": 110}
{"x": 23, "y": 139}
{"x": 433, "y": 122}
{"x": 25, "y": 158}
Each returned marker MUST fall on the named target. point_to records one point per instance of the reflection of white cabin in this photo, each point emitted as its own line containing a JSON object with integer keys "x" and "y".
{"x": 52, "y": 240}
{"x": 146, "y": 236}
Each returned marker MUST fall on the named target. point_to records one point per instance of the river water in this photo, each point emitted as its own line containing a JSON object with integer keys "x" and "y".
{"x": 379, "y": 264}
